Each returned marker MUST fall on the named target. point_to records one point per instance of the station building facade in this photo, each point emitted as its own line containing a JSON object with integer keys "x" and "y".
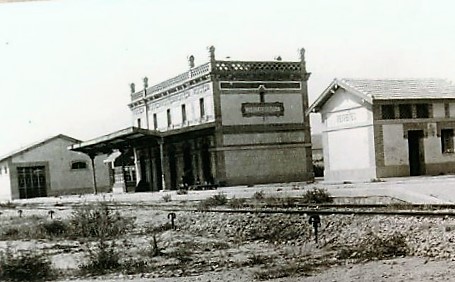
{"x": 387, "y": 128}
{"x": 224, "y": 122}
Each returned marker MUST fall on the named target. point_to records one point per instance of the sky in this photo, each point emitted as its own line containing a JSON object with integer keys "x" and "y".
{"x": 66, "y": 65}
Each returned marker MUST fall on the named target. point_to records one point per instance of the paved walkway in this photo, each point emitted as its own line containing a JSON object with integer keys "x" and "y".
{"x": 419, "y": 190}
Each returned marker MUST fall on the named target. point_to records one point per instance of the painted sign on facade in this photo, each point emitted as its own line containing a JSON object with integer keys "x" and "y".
{"x": 262, "y": 109}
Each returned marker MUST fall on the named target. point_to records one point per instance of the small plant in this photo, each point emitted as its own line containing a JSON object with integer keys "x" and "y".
{"x": 375, "y": 247}
{"x": 24, "y": 266}
{"x": 259, "y": 195}
{"x": 258, "y": 259}
{"x": 104, "y": 258}
{"x": 181, "y": 253}
{"x": 99, "y": 221}
{"x": 219, "y": 199}
{"x": 317, "y": 196}
{"x": 167, "y": 198}
{"x": 54, "y": 228}
{"x": 182, "y": 191}
{"x": 155, "y": 251}
{"x": 236, "y": 203}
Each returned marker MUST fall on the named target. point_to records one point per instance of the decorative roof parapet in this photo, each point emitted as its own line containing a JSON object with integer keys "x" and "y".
{"x": 236, "y": 70}
{"x": 193, "y": 73}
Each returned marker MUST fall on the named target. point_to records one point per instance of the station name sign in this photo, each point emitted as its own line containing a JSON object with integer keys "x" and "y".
{"x": 262, "y": 109}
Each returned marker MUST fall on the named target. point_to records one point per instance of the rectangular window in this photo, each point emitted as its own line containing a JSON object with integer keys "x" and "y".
{"x": 183, "y": 114}
{"x": 422, "y": 111}
{"x": 202, "y": 107}
{"x": 447, "y": 141}
{"x": 155, "y": 122}
{"x": 447, "y": 110}
{"x": 405, "y": 110}
{"x": 262, "y": 97}
{"x": 169, "y": 119}
{"x": 139, "y": 122}
{"x": 388, "y": 111}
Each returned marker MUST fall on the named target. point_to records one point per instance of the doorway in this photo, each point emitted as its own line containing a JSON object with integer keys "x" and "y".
{"x": 416, "y": 152}
{"x": 172, "y": 168}
{"x": 32, "y": 182}
{"x": 188, "y": 176}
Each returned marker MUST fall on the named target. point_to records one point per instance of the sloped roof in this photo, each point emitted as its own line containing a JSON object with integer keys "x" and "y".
{"x": 384, "y": 89}
{"x": 37, "y": 144}
{"x": 389, "y": 89}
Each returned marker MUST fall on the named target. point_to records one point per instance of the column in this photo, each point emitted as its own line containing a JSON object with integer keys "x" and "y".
{"x": 163, "y": 181}
{"x": 92, "y": 158}
{"x": 137, "y": 166}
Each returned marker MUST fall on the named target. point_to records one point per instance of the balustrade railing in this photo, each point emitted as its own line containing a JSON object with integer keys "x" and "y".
{"x": 175, "y": 81}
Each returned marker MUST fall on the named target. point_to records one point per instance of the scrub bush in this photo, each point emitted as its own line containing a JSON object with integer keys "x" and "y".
{"x": 25, "y": 266}
{"x": 317, "y": 196}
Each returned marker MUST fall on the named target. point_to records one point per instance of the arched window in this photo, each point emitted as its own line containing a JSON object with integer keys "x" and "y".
{"x": 79, "y": 165}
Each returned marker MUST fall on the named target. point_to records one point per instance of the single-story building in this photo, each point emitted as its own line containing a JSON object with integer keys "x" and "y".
{"x": 387, "y": 128}
{"x": 48, "y": 168}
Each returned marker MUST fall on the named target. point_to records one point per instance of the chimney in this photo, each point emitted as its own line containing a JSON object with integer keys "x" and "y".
{"x": 132, "y": 87}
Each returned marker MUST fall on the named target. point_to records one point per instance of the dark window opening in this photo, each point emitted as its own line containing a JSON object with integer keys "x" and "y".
{"x": 405, "y": 111}
{"x": 79, "y": 165}
{"x": 447, "y": 141}
{"x": 139, "y": 122}
{"x": 201, "y": 107}
{"x": 169, "y": 119}
{"x": 388, "y": 111}
{"x": 262, "y": 97}
{"x": 183, "y": 113}
{"x": 422, "y": 110}
{"x": 155, "y": 122}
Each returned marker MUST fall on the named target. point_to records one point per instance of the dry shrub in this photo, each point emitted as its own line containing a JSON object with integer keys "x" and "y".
{"x": 25, "y": 266}
{"x": 317, "y": 196}
{"x": 373, "y": 247}
{"x": 99, "y": 221}
{"x": 104, "y": 258}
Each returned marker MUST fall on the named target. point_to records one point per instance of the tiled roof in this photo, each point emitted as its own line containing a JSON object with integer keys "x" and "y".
{"x": 384, "y": 89}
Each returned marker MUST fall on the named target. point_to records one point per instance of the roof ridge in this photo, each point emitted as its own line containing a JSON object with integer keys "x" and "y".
{"x": 36, "y": 144}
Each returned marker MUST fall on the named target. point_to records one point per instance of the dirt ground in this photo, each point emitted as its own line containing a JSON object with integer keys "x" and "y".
{"x": 207, "y": 246}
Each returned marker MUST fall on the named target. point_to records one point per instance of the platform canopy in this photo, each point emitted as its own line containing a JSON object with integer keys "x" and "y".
{"x": 118, "y": 140}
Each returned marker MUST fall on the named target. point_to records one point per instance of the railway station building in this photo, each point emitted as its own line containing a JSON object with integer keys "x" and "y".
{"x": 387, "y": 128}
{"x": 222, "y": 122}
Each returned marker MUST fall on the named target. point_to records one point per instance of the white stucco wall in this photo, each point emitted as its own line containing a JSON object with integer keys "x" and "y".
{"x": 190, "y": 97}
{"x": 5, "y": 182}
{"x": 349, "y": 149}
{"x": 347, "y": 138}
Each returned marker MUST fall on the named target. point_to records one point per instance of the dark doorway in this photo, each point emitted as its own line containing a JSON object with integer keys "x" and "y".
{"x": 206, "y": 164}
{"x": 32, "y": 182}
{"x": 188, "y": 176}
{"x": 416, "y": 153}
{"x": 172, "y": 168}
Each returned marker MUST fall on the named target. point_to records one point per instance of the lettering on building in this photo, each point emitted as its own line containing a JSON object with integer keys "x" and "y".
{"x": 346, "y": 118}
{"x": 262, "y": 109}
